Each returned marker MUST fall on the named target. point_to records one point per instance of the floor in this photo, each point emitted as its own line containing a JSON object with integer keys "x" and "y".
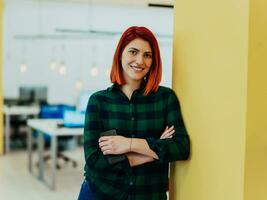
{"x": 16, "y": 183}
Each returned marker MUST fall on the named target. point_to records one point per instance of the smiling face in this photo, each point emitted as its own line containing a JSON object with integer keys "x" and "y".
{"x": 136, "y": 60}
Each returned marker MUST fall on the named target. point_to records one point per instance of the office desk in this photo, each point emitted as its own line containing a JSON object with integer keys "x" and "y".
{"x": 47, "y": 126}
{"x": 16, "y": 110}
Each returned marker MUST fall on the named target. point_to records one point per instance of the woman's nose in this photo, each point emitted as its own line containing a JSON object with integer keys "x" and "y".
{"x": 140, "y": 59}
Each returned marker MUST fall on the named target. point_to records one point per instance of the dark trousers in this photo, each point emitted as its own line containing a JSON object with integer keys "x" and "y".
{"x": 85, "y": 192}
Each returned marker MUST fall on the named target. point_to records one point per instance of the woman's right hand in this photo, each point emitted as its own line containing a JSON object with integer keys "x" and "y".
{"x": 168, "y": 133}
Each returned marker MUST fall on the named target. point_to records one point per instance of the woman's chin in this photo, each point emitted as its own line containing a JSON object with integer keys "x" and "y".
{"x": 137, "y": 78}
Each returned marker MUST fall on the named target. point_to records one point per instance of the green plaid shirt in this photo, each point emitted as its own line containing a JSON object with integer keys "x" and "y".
{"x": 141, "y": 117}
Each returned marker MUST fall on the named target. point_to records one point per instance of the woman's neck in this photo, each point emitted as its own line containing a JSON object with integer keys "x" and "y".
{"x": 130, "y": 87}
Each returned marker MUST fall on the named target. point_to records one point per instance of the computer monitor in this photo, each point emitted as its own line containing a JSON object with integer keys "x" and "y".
{"x": 83, "y": 100}
{"x": 73, "y": 119}
{"x": 33, "y": 94}
{"x": 11, "y": 101}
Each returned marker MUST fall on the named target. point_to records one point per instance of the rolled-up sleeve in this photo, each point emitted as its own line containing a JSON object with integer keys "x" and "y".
{"x": 177, "y": 147}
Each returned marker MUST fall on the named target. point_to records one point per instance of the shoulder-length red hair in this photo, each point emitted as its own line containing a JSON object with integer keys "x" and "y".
{"x": 153, "y": 77}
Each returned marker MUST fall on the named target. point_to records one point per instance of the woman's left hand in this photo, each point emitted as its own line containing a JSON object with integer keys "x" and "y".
{"x": 114, "y": 144}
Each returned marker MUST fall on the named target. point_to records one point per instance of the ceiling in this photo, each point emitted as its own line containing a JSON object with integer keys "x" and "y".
{"x": 124, "y": 2}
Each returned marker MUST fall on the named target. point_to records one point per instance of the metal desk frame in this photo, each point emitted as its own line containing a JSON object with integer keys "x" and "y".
{"x": 16, "y": 110}
{"x": 47, "y": 126}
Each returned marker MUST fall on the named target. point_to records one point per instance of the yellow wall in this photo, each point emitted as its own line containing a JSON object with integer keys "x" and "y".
{"x": 1, "y": 78}
{"x": 210, "y": 78}
{"x": 256, "y": 148}
{"x": 220, "y": 76}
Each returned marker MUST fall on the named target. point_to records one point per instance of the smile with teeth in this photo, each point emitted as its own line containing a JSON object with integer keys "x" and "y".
{"x": 137, "y": 69}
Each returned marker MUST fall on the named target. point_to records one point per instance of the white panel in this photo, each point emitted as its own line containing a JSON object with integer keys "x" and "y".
{"x": 30, "y": 17}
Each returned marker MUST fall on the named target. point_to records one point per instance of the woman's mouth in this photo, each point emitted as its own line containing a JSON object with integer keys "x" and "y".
{"x": 137, "y": 69}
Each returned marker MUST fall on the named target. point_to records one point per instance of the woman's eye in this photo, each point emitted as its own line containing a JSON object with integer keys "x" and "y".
{"x": 133, "y": 52}
{"x": 147, "y": 55}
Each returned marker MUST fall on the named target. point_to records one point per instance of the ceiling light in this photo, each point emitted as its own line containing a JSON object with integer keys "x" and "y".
{"x": 53, "y": 65}
{"x": 62, "y": 69}
{"x": 78, "y": 85}
{"x": 23, "y": 67}
{"x": 94, "y": 71}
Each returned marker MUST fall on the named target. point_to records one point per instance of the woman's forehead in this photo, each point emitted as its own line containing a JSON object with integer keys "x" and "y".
{"x": 139, "y": 43}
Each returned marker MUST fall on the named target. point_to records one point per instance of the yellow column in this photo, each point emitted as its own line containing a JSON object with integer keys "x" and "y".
{"x": 1, "y": 79}
{"x": 219, "y": 74}
{"x": 256, "y": 134}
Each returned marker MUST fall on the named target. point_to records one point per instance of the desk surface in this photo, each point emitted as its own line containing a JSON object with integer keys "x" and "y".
{"x": 21, "y": 110}
{"x": 49, "y": 126}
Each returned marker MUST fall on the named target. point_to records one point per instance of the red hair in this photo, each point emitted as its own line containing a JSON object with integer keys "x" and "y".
{"x": 153, "y": 77}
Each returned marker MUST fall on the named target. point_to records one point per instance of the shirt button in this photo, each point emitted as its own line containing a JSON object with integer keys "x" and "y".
{"x": 133, "y": 118}
{"x": 131, "y": 183}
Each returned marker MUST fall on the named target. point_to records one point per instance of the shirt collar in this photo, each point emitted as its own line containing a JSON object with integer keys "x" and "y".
{"x": 116, "y": 86}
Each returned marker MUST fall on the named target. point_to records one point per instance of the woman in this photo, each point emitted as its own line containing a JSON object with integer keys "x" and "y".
{"x": 148, "y": 122}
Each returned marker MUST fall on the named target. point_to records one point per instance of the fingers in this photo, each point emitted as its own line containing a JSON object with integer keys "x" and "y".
{"x": 105, "y": 147}
{"x": 104, "y": 138}
{"x": 167, "y": 130}
{"x": 107, "y": 144}
{"x": 168, "y": 133}
{"x": 103, "y": 143}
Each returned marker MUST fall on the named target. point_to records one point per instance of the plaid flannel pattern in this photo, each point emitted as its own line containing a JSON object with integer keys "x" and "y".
{"x": 141, "y": 117}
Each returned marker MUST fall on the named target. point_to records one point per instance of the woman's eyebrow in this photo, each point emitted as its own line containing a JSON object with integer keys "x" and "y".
{"x": 132, "y": 48}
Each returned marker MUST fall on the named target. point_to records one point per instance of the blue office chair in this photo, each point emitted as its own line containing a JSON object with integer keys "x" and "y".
{"x": 56, "y": 112}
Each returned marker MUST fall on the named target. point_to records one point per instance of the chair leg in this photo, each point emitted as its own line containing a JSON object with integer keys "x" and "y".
{"x": 58, "y": 166}
{"x": 46, "y": 157}
{"x": 67, "y": 159}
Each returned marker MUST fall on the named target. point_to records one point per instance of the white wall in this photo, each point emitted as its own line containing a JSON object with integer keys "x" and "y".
{"x": 31, "y": 18}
